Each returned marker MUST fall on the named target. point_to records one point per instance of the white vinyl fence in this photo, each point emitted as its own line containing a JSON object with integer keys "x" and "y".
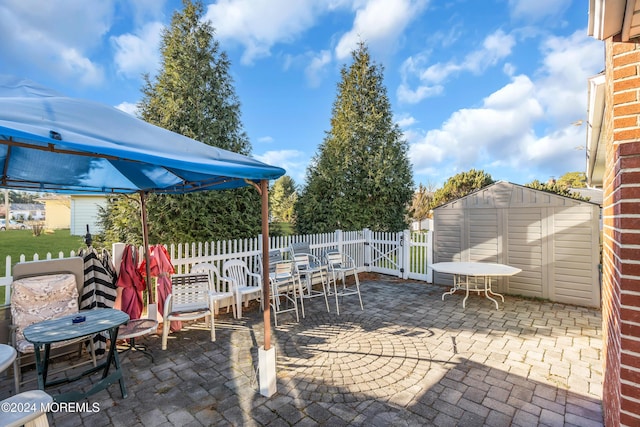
{"x": 404, "y": 254}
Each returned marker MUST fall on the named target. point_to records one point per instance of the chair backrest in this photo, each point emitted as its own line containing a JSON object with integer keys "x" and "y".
{"x": 302, "y": 261}
{"x": 299, "y": 248}
{"x": 275, "y": 256}
{"x": 190, "y": 292}
{"x": 284, "y": 269}
{"x": 238, "y": 272}
{"x": 213, "y": 273}
{"x": 334, "y": 258}
{"x": 39, "y": 298}
{"x": 74, "y": 265}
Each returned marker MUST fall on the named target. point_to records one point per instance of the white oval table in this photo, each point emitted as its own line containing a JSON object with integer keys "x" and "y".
{"x": 462, "y": 271}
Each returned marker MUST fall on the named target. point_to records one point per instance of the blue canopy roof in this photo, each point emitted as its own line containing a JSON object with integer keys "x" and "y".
{"x": 49, "y": 142}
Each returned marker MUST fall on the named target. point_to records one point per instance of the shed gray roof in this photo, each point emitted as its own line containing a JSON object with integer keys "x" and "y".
{"x": 504, "y": 194}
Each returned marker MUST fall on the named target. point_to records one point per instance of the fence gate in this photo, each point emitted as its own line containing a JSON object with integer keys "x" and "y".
{"x": 420, "y": 256}
{"x": 383, "y": 252}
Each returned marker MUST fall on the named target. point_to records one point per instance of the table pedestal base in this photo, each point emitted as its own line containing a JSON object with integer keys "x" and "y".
{"x": 460, "y": 283}
{"x": 137, "y": 328}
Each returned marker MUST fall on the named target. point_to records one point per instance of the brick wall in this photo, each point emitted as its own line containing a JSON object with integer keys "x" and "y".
{"x": 621, "y": 236}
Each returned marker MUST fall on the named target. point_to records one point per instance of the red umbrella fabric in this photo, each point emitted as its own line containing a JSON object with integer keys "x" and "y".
{"x": 131, "y": 282}
{"x": 160, "y": 267}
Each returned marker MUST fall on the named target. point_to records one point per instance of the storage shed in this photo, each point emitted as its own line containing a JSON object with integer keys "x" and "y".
{"x": 84, "y": 212}
{"x": 555, "y": 240}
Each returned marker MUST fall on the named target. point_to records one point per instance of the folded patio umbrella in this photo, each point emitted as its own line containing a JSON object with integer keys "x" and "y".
{"x": 161, "y": 268}
{"x": 131, "y": 282}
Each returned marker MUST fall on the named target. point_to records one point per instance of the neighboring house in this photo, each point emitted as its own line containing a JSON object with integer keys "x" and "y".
{"x": 424, "y": 225}
{"x": 554, "y": 240}
{"x": 613, "y": 163}
{"x": 58, "y": 211}
{"x": 84, "y": 212}
{"x": 593, "y": 194}
{"x": 27, "y": 211}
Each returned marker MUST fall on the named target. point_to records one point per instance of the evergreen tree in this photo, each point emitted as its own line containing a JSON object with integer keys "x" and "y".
{"x": 361, "y": 176}
{"x": 193, "y": 95}
{"x": 554, "y": 187}
{"x": 460, "y": 185}
{"x": 282, "y": 198}
{"x": 573, "y": 180}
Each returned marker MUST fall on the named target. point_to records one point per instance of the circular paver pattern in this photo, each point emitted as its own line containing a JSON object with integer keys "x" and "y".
{"x": 354, "y": 354}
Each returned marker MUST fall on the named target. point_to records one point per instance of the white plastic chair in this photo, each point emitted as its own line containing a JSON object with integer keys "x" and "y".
{"x": 245, "y": 284}
{"x": 219, "y": 288}
{"x": 29, "y": 409}
{"x": 339, "y": 265}
{"x": 189, "y": 300}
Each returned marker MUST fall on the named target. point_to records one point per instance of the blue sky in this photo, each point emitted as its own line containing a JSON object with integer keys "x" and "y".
{"x": 498, "y": 85}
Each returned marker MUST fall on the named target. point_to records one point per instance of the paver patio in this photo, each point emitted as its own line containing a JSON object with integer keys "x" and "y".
{"x": 408, "y": 359}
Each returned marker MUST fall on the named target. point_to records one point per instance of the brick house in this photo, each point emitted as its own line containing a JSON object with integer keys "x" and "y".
{"x": 613, "y": 162}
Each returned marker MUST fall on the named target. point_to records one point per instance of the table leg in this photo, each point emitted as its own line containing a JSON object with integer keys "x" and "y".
{"x": 40, "y": 368}
{"x": 487, "y": 291}
{"x": 113, "y": 358}
{"x": 464, "y": 301}
{"x": 453, "y": 290}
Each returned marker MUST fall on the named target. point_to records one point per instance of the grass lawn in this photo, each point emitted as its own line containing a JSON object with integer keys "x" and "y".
{"x": 281, "y": 228}
{"x": 14, "y": 243}
{"x": 17, "y": 242}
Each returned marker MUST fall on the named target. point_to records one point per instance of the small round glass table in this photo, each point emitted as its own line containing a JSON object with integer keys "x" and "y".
{"x": 133, "y": 329}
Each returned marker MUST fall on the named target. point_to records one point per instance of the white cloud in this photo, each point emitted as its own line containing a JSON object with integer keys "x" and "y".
{"x": 259, "y": 24}
{"x": 535, "y": 10}
{"x": 497, "y": 130}
{"x": 128, "y": 107}
{"x": 495, "y": 47}
{"x": 57, "y": 36}
{"x": 406, "y": 120}
{"x": 412, "y": 96}
{"x": 317, "y": 67}
{"x": 568, "y": 63}
{"x": 525, "y": 125}
{"x": 379, "y": 23}
{"x": 265, "y": 139}
{"x": 138, "y": 53}
{"x": 293, "y": 161}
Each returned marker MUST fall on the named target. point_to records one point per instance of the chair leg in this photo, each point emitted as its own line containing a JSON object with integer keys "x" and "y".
{"x": 275, "y": 301}
{"x": 355, "y": 274}
{"x": 301, "y": 298}
{"x": 238, "y": 305}
{"x": 213, "y": 327}
{"x": 324, "y": 289}
{"x": 295, "y": 301}
{"x": 17, "y": 374}
{"x": 335, "y": 292}
{"x": 165, "y": 332}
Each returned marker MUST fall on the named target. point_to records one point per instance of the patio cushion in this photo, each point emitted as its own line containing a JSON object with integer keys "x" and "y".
{"x": 41, "y": 298}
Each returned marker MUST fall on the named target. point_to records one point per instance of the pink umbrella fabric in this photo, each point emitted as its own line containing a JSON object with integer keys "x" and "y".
{"x": 132, "y": 284}
{"x": 160, "y": 267}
